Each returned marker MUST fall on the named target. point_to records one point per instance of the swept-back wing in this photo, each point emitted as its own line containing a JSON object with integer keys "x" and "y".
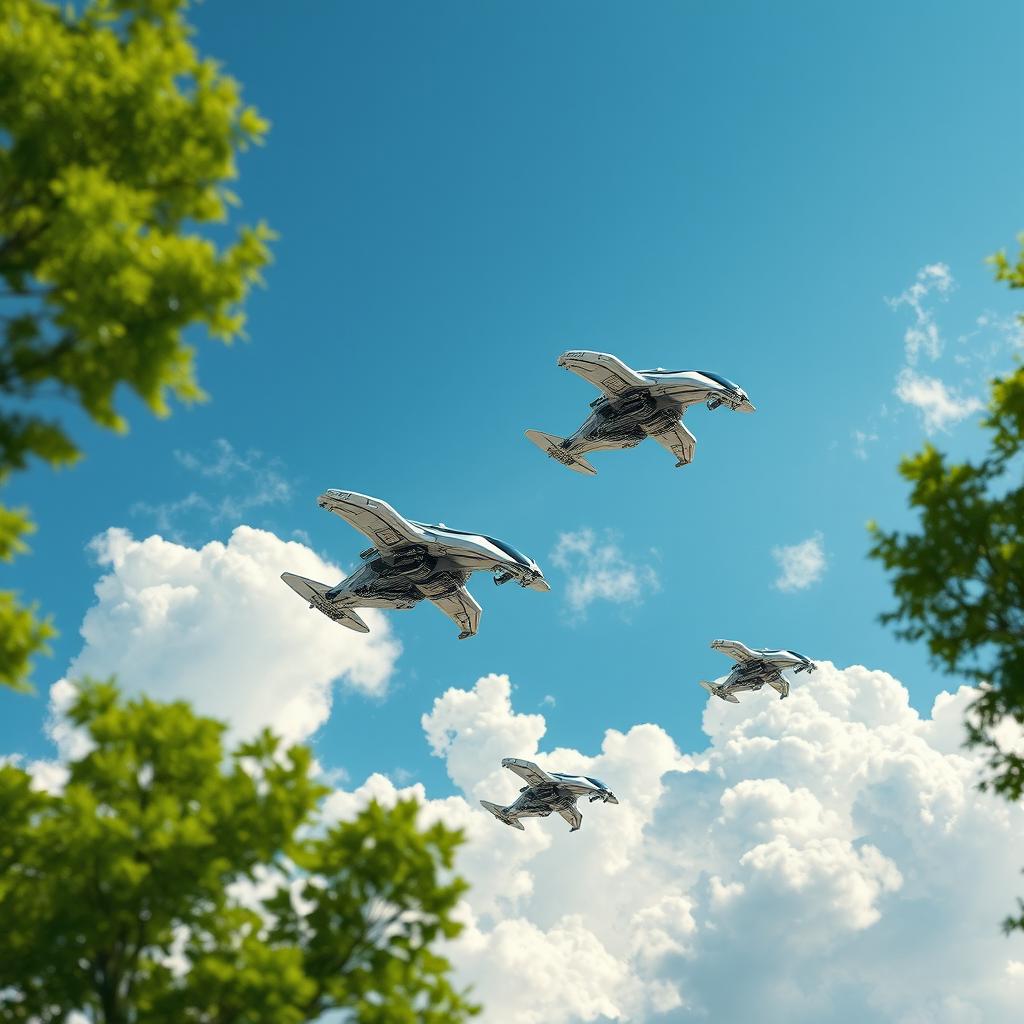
{"x": 573, "y": 816}
{"x": 527, "y": 771}
{"x": 462, "y": 609}
{"x": 735, "y": 650}
{"x": 778, "y": 682}
{"x": 374, "y": 519}
{"x": 677, "y": 440}
{"x": 604, "y": 371}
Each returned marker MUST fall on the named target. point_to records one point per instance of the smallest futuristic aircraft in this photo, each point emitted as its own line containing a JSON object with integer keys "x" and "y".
{"x": 754, "y": 667}
{"x": 545, "y": 792}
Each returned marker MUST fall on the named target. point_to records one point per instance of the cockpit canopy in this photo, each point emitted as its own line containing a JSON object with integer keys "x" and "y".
{"x": 514, "y": 555}
{"x": 719, "y": 379}
{"x": 594, "y": 782}
{"x": 716, "y": 377}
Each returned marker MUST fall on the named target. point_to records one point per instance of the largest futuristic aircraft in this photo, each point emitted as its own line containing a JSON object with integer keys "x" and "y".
{"x": 410, "y": 561}
{"x": 635, "y": 405}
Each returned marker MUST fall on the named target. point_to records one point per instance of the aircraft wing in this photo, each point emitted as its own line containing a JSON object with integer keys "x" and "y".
{"x": 374, "y": 519}
{"x": 462, "y": 609}
{"x": 527, "y": 771}
{"x": 677, "y": 440}
{"x": 605, "y": 372}
{"x": 573, "y": 816}
{"x": 778, "y": 682}
{"x": 738, "y": 652}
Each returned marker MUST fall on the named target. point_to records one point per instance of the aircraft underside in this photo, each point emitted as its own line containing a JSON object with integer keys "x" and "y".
{"x": 376, "y": 585}
{"x": 625, "y": 424}
{"x": 756, "y": 680}
{"x": 539, "y": 802}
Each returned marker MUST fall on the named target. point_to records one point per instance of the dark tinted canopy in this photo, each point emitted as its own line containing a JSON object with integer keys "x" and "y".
{"x": 516, "y": 556}
{"x": 719, "y": 379}
{"x": 716, "y": 377}
{"x": 593, "y": 782}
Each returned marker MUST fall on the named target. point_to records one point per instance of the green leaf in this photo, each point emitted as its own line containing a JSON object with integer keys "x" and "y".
{"x": 154, "y": 845}
{"x": 117, "y": 144}
{"x": 958, "y": 579}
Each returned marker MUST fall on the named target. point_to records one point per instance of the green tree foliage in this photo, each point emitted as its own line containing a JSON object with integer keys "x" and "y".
{"x": 1011, "y": 273}
{"x": 959, "y": 579}
{"x": 116, "y": 142}
{"x": 169, "y": 882}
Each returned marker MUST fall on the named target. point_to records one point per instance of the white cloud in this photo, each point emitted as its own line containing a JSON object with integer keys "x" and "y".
{"x": 216, "y": 626}
{"x": 941, "y": 407}
{"x": 599, "y": 571}
{"x": 825, "y": 860}
{"x": 923, "y": 334}
{"x": 861, "y": 440}
{"x": 993, "y": 336}
{"x": 246, "y": 482}
{"x": 47, "y": 776}
{"x": 800, "y": 565}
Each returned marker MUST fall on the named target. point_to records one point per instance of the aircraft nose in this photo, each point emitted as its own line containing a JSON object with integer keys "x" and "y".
{"x": 540, "y": 584}
{"x": 746, "y": 405}
{"x": 611, "y": 799}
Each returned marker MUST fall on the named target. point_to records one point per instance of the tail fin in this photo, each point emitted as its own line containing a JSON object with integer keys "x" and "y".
{"x": 349, "y": 617}
{"x": 552, "y": 445}
{"x": 315, "y": 593}
{"x": 499, "y": 813}
{"x": 716, "y": 691}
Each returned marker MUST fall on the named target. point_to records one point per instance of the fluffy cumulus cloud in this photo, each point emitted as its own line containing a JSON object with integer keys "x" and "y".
{"x": 824, "y": 860}
{"x": 941, "y": 406}
{"x": 800, "y": 565}
{"x": 216, "y": 626}
{"x": 598, "y": 570}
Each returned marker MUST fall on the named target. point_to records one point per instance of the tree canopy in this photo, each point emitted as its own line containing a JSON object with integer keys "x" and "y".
{"x": 117, "y": 142}
{"x": 169, "y": 881}
{"x": 959, "y": 579}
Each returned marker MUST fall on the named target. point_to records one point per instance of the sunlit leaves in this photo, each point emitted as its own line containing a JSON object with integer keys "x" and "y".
{"x": 959, "y": 579}
{"x": 22, "y": 634}
{"x": 117, "y": 143}
{"x": 133, "y": 895}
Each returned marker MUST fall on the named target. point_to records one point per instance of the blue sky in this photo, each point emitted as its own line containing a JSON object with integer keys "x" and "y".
{"x": 462, "y": 192}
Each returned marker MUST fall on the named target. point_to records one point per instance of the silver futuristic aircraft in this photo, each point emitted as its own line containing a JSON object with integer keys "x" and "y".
{"x": 755, "y": 667}
{"x": 545, "y": 792}
{"x": 411, "y": 561}
{"x": 637, "y": 404}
